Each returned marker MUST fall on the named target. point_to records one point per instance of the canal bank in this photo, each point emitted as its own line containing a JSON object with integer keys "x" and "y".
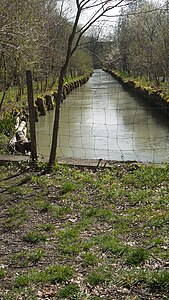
{"x": 157, "y": 96}
{"x": 102, "y": 120}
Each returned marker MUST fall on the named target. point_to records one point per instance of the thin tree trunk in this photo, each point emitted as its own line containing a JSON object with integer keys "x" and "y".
{"x": 2, "y": 100}
{"x": 56, "y": 120}
{"x": 63, "y": 72}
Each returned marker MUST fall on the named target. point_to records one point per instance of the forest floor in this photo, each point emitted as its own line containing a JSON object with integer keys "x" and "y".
{"x": 80, "y": 233}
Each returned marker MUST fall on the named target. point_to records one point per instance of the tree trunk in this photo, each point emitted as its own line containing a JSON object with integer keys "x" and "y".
{"x": 56, "y": 120}
{"x": 2, "y": 100}
{"x": 60, "y": 91}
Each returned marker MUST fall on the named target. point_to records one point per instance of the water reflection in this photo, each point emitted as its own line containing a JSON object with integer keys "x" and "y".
{"x": 103, "y": 120}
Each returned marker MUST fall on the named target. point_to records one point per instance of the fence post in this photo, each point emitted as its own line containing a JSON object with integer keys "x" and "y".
{"x": 31, "y": 115}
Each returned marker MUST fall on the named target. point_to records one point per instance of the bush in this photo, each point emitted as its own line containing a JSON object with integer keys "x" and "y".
{"x": 7, "y": 123}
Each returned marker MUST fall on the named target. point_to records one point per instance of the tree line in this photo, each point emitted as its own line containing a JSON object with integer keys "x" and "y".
{"x": 33, "y": 35}
{"x": 141, "y": 40}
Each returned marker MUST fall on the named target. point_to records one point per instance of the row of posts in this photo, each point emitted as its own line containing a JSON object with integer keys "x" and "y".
{"x": 31, "y": 106}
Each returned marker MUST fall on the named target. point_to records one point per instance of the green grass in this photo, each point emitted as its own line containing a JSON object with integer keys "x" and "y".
{"x": 136, "y": 256}
{"x": 70, "y": 291}
{"x": 109, "y": 243}
{"x": 68, "y": 234}
{"x": 99, "y": 275}
{"x": 15, "y": 219}
{"x": 39, "y": 180}
{"x": 137, "y": 197}
{"x": 86, "y": 233}
{"x": 17, "y": 293}
{"x": 28, "y": 258}
{"x": 46, "y": 227}
{"x": 158, "y": 281}
{"x": 58, "y": 211}
{"x": 70, "y": 243}
{"x": 90, "y": 259}
{"x": 160, "y": 220}
{"x": 67, "y": 187}
{"x": 155, "y": 281}
{"x": 7, "y": 123}
{"x": 2, "y": 273}
{"x": 102, "y": 214}
{"x": 147, "y": 177}
{"x": 51, "y": 274}
{"x": 34, "y": 237}
{"x": 146, "y": 83}
{"x": 21, "y": 190}
{"x": 43, "y": 206}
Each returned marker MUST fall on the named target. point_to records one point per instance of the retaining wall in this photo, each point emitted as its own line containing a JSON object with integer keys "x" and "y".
{"x": 154, "y": 96}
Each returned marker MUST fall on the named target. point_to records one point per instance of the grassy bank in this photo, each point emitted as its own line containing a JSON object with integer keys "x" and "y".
{"x": 11, "y": 107}
{"x": 162, "y": 88}
{"x": 40, "y": 89}
{"x": 84, "y": 234}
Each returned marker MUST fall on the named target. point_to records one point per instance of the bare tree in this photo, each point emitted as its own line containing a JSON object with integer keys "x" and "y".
{"x": 30, "y": 38}
{"x": 96, "y": 10}
{"x": 20, "y": 33}
{"x": 142, "y": 36}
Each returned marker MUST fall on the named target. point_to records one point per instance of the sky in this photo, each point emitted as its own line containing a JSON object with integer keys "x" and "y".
{"x": 105, "y": 25}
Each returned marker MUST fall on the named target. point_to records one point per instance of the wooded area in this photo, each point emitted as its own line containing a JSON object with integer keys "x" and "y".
{"x": 141, "y": 40}
{"x": 33, "y": 35}
{"x": 51, "y": 39}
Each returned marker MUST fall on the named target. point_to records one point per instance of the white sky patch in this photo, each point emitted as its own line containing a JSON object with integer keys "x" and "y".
{"x": 105, "y": 24}
{"x": 69, "y": 9}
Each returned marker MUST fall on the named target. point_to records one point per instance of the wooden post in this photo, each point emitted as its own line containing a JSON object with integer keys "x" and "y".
{"x": 31, "y": 115}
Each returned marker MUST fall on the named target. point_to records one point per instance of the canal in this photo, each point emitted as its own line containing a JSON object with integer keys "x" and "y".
{"x": 103, "y": 120}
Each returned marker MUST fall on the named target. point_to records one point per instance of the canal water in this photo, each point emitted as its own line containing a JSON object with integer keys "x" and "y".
{"x": 102, "y": 120}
